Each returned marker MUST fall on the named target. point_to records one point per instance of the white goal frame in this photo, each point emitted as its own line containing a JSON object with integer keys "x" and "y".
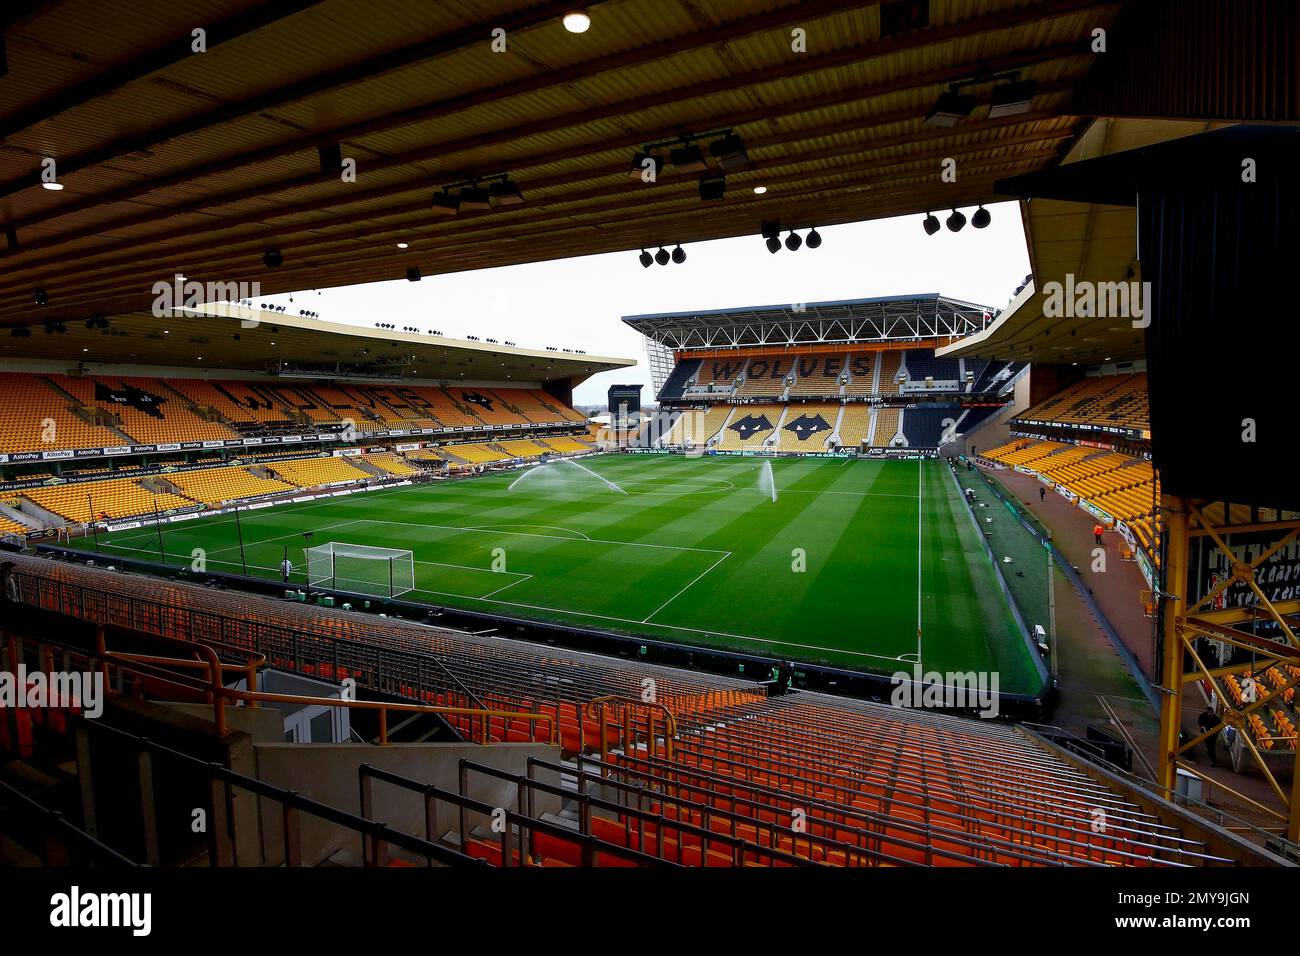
{"x": 360, "y": 568}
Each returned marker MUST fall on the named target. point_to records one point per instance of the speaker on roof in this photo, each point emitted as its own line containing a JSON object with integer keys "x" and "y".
{"x": 331, "y": 159}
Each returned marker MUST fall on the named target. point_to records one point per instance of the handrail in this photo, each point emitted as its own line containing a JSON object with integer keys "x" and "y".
{"x": 597, "y": 708}
{"x": 290, "y": 801}
{"x": 1127, "y": 737}
{"x": 221, "y": 693}
{"x": 60, "y": 828}
{"x": 739, "y": 845}
{"x": 156, "y": 667}
{"x": 589, "y": 844}
{"x": 40, "y": 584}
{"x": 707, "y": 811}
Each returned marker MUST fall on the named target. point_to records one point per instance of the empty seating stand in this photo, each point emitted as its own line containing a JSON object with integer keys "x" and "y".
{"x": 682, "y": 373}
{"x": 722, "y": 784}
{"x": 929, "y": 426}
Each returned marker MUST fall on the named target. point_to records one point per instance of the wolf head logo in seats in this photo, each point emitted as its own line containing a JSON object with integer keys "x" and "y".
{"x": 476, "y": 398}
{"x": 750, "y": 425}
{"x": 805, "y": 426}
{"x": 136, "y": 398}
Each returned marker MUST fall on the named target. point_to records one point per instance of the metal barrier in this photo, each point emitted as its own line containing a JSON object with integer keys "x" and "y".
{"x": 588, "y": 845}
{"x": 223, "y": 782}
{"x": 376, "y": 667}
{"x": 60, "y": 834}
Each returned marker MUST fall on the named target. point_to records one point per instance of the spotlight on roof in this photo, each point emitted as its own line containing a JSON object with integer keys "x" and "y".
{"x": 1012, "y": 99}
{"x": 949, "y": 109}
{"x": 646, "y": 163}
{"x": 403, "y": 245}
{"x": 413, "y": 274}
{"x": 793, "y": 241}
{"x": 931, "y": 223}
{"x": 475, "y": 198}
{"x": 54, "y": 187}
{"x": 505, "y": 193}
{"x": 662, "y": 256}
{"x": 272, "y": 258}
{"x": 759, "y": 190}
{"x": 729, "y": 152}
{"x": 679, "y": 254}
{"x": 40, "y": 297}
{"x": 688, "y": 158}
{"x": 981, "y": 218}
{"x": 712, "y": 187}
{"x": 577, "y": 22}
{"x": 956, "y": 221}
{"x": 773, "y": 244}
{"x": 647, "y": 260}
{"x": 444, "y": 204}
{"x": 814, "y": 239}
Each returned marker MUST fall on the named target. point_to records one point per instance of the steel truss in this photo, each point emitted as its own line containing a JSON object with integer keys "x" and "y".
{"x": 919, "y": 318}
{"x": 1185, "y": 619}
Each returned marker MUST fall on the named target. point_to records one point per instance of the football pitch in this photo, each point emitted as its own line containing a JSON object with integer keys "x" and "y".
{"x": 843, "y": 568}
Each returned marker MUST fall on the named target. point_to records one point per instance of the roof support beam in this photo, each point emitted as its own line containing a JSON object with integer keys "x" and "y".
{"x": 500, "y": 137}
{"x": 477, "y": 34}
{"x": 1004, "y": 19}
{"x": 460, "y": 253}
{"x": 86, "y": 265}
{"x": 461, "y": 231}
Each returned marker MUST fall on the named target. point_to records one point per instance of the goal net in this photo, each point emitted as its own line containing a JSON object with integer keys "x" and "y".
{"x": 361, "y": 569}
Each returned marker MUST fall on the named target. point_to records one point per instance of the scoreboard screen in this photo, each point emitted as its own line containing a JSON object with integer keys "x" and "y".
{"x": 624, "y": 399}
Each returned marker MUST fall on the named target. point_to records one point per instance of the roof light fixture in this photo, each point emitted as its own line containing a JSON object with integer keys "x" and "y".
{"x": 577, "y": 21}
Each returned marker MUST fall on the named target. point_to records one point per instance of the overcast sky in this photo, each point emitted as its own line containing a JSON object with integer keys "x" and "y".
{"x": 578, "y": 303}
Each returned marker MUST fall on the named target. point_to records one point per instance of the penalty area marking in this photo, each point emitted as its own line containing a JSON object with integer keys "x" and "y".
{"x": 685, "y": 589}
{"x": 554, "y": 537}
{"x": 548, "y": 527}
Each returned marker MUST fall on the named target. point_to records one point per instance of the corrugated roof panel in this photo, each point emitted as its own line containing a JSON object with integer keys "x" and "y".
{"x": 824, "y": 145}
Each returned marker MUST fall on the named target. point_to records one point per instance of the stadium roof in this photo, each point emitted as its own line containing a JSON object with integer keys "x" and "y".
{"x": 230, "y": 337}
{"x": 1091, "y": 241}
{"x": 199, "y": 162}
{"x": 928, "y": 315}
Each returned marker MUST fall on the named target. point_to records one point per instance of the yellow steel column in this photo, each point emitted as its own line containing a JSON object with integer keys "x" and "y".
{"x": 1293, "y": 810}
{"x": 1174, "y": 606}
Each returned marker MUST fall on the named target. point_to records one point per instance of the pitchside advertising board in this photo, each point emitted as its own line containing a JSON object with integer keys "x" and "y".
{"x": 70, "y": 454}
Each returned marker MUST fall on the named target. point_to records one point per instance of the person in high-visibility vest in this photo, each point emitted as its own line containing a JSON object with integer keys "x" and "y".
{"x": 1097, "y": 529}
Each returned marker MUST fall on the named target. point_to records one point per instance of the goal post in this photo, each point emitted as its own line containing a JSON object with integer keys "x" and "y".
{"x": 361, "y": 568}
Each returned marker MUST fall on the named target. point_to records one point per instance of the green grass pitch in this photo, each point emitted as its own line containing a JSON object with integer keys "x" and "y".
{"x": 836, "y": 571}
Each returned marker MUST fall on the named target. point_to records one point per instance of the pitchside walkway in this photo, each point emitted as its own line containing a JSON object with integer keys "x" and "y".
{"x": 1086, "y": 664}
{"x": 1117, "y": 590}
